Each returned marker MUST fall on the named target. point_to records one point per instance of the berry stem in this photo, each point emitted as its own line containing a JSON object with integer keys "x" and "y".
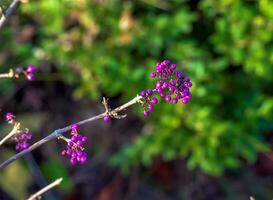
{"x": 38, "y": 194}
{"x": 59, "y": 132}
{"x": 14, "y": 131}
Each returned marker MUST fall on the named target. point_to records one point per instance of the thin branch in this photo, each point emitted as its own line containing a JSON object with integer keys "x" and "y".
{"x": 10, "y": 74}
{"x": 38, "y": 194}
{"x": 57, "y": 133}
{"x": 6, "y": 15}
{"x": 14, "y": 131}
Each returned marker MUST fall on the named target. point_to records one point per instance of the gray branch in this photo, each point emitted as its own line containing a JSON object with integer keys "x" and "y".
{"x": 6, "y": 15}
{"x": 59, "y": 132}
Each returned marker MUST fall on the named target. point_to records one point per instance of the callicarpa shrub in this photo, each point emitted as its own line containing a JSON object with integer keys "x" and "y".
{"x": 171, "y": 85}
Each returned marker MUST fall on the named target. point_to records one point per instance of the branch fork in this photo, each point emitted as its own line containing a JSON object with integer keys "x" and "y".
{"x": 109, "y": 112}
{"x": 14, "y": 131}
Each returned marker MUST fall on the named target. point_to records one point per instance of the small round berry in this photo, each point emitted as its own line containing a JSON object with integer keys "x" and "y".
{"x": 165, "y": 85}
{"x": 146, "y": 113}
{"x": 150, "y": 107}
{"x": 69, "y": 152}
{"x": 173, "y": 66}
{"x": 168, "y": 98}
{"x": 30, "y": 77}
{"x": 63, "y": 152}
{"x": 24, "y": 145}
{"x": 73, "y": 161}
{"x": 153, "y": 75}
{"x": 154, "y": 100}
{"x": 74, "y": 138}
{"x": 180, "y": 75}
{"x": 143, "y": 93}
{"x": 159, "y": 90}
{"x": 9, "y": 116}
{"x": 31, "y": 69}
{"x": 106, "y": 118}
{"x": 149, "y": 92}
{"x": 74, "y": 155}
{"x": 83, "y": 159}
{"x": 174, "y": 101}
{"x": 172, "y": 82}
{"x": 158, "y": 84}
{"x": 162, "y": 95}
{"x": 188, "y": 84}
{"x": 79, "y": 143}
{"x": 171, "y": 90}
{"x": 75, "y": 126}
{"x": 84, "y": 139}
{"x": 70, "y": 144}
{"x": 185, "y": 101}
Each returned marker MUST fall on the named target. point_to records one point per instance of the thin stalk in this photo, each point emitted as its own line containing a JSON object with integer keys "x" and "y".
{"x": 38, "y": 194}
{"x": 58, "y": 132}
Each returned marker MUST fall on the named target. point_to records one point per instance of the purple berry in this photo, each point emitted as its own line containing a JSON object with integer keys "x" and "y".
{"x": 158, "y": 84}
{"x": 171, "y": 90}
{"x": 174, "y": 101}
{"x": 143, "y": 93}
{"x": 73, "y": 161}
{"x": 9, "y": 116}
{"x": 184, "y": 101}
{"x": 150, "y": 107}
{"x": 30, "y": 77}
{"x": 70, "y": 144}
{"x": 162, "y": 95}
{"x": 83, "y": 159}
{"x": 79, "y": 143}
{"x": 64, "y": 153}
{"x": 106, "y": 118}
{"x": 149, "y": 92}
{"x": 165, "y": 85}
{"x": 84, "y": 139}
{"x": 153, "y": 75}
{"x": 31, "y": 69}
{"x": 154, "y": 100}
{"x": 168, "y": 98}
{"x": 75, "y": 126}
{"x": 146, "y": 113}
{"x": 188, "y": 84}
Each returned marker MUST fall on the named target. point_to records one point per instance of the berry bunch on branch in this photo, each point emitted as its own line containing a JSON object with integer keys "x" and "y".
{"x": 171, "y": 85}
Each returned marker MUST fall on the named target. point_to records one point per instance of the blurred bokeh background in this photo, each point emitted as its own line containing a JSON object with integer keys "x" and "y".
{"x": 218, "y": 146}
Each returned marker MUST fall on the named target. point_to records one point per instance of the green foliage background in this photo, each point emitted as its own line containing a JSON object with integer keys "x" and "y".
{"x": 111, "y": 46}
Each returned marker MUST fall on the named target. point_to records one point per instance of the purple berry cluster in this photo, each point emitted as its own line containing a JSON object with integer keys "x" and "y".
{"x": 28, "y": 72}
{"x": 22, "y": 140}
{"x": 172, "y": 85}
{"x": 22, "y": 137}
{"x": 75, "y": 147}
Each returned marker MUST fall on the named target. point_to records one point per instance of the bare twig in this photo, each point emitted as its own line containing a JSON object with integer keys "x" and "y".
{"x": 8, "y": 12}
{"x": 14, "y": 131}
{"x": 38, "y": 194}
{"x": 57, "y": 133}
